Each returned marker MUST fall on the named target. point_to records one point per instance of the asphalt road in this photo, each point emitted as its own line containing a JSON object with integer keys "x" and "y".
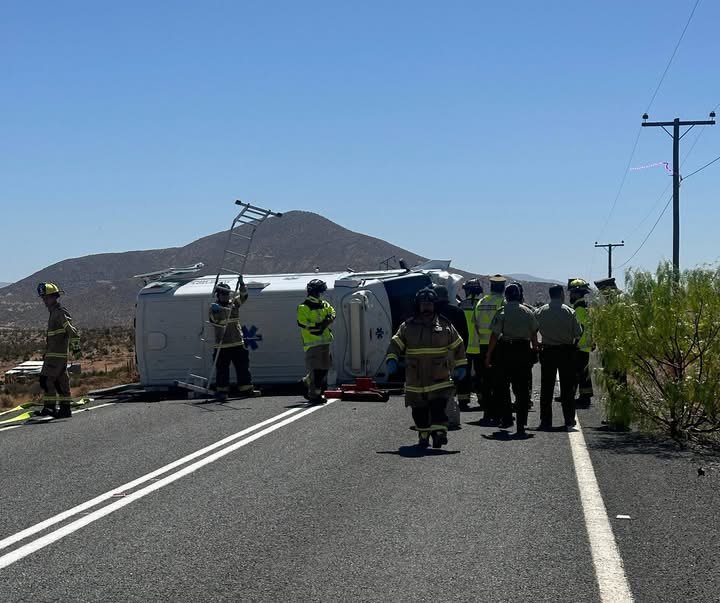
{"x": 337, "y": 505}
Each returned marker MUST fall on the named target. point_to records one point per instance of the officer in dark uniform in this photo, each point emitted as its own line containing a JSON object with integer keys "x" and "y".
{"x": 560, "y": 330}
{"x": 512, "y": 343}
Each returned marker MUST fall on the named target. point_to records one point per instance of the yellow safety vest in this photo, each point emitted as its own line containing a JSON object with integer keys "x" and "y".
{"x": 485, "y": 311}
{"x": 468, "y": 307}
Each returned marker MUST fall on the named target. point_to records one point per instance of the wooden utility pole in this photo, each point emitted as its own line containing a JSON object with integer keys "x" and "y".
{"x": 676, "y": 136}
{"x": 609, "y": 247}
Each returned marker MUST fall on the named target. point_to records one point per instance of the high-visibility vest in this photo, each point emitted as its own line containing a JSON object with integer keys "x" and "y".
{"x": 468, "y": 307}
{"x": 582, "y": 315}
{"x": 314, "y": 317}
{"x": 485, "y": 311}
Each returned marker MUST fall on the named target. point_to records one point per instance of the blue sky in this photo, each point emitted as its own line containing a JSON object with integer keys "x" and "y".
{"x": 495, "y": 134}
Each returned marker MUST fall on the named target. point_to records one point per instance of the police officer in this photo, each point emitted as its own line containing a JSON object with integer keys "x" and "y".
{"x": 533, "y": 356}
{"x": 433, "y": 352}
{"x": 314, "y": 317}
{"x": 62, "y": 337}
{"x": 513, "y": 340}
{"x": 579, "y": 290}
{"x": 457, "y": 317}
{"x": 559, "y": 329}
{"x": 473, "y": 292}
{"x": 229, "y": 343}
{"x": 485, "y": 311}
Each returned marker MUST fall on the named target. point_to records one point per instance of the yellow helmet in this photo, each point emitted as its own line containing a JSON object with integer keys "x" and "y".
{"x": 48, "y": 289}
{"x": 578, "y": 283}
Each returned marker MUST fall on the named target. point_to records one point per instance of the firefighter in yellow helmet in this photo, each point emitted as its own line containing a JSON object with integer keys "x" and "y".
{"x": 62, "y": 337}
{"x": 434, "y": 355}
{"x": 229, "y": 343}
{"x": 579, "y": 289}
{"x": 314, "y": 317}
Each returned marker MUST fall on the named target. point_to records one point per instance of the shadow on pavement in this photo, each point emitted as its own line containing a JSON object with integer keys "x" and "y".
{"x": 413, "y": 452}
{"x": 506, "y": 436}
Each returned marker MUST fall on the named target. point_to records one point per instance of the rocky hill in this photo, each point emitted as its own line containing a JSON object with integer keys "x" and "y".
{"x": 101, "y": 291}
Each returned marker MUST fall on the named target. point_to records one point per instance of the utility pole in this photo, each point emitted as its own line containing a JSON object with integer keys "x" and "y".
{"x": 609, "y": 247}
{"x": 676, "y": 136}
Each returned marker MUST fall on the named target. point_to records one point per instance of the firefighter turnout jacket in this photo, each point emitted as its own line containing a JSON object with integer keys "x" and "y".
{"x": 61, "y": 334}
{"x": 225, "y": 318}
{"x": 314, "y": 317}
{"x": 431, "y": 351}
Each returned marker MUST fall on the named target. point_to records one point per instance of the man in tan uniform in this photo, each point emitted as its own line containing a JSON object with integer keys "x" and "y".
{"x": 560, "y": 331}
{"x": 62, "y": 337}
{"x": 513, "y": 340}
{"x": 434, "y": 355}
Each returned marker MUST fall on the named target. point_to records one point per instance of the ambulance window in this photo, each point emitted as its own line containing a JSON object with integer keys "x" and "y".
{"x": 401, "y": 292}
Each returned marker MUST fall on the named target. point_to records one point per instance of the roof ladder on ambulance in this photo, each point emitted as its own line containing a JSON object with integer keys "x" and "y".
{"x": 237, "y": 249}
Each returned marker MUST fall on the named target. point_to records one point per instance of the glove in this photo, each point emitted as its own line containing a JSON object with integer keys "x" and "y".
{"x": 215, "y": 308}
{"x": 391, "y": 365}
{"x": 459, "y": 373}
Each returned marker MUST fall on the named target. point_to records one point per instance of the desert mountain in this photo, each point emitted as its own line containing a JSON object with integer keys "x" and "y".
{"x": 101, "y": 291}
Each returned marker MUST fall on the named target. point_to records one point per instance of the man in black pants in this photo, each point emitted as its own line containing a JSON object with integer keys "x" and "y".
{"x": 560, "y": 330}
{"x": 513, "y": 340}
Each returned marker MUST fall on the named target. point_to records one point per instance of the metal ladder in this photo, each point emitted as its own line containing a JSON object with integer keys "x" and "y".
{"x": 237, "y": 249}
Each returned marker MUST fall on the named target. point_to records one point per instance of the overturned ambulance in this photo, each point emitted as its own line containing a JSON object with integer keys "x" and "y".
{"x": 173, "y": 339}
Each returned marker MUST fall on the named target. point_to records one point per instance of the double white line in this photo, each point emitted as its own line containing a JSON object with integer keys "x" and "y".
{"x": 274, "y": 423}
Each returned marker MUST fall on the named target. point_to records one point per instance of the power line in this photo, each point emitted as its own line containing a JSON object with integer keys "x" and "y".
{"x": 672, "y": 56}
{"x": 702, "y": 168}
{"x": 626, "y": 262}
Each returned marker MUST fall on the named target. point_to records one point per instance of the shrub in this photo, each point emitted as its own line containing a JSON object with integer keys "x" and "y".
{"x": 660, "y": 349}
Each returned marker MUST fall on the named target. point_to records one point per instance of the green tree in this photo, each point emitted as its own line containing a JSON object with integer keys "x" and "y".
{"x": 660, "y": 348}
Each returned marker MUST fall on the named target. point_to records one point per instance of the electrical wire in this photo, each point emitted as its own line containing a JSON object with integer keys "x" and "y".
{"x": 702, "y": 168}
{"x": 637, "y": 138}
{"x": 672, "y": 56}
{"x": 626, "y": 262}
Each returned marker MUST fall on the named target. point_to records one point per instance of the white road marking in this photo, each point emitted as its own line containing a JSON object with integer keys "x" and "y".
{"x": 609, "y": 571}
{"x": 10, "y": 540}
{"x": 48, "y": 539}
{"x": 94, "y": 407}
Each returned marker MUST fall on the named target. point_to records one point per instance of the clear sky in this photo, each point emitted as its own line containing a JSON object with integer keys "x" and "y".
{"x": 495, "y": 134}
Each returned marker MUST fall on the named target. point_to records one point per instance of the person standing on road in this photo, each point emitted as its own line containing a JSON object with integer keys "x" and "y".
{"x": 485, "y": 311}
{"x": 229, "y": 343}
{"x": 579, "y": 290}
{"x": 314, "y": 317}
{"x": 433, "y": 352}
{"x": 513, "y": 340}
{"x": 457, "y": 317}
{"x": 473, "y": 292}
{"x": 559, "y": 329}
{"x": 62, "y": 337}
{"x": 533, "y": 356}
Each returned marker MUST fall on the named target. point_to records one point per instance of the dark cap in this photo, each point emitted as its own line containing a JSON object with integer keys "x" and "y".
{"x": 606, "y": 283}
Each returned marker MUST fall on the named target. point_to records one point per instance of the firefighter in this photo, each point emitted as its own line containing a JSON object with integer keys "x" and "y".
{"x": 314, "y": 317}
{"x": 560, "y": 331}
{"x": 485, "y": 311}
{"x": 457, "y": 317}
{"x": 473, "y": 292}
{"x": 62, "y": 337}
{"x": 513, "y": 341}
{"x": 434, "y": 355}
{"x": 579, "y": 289}
{"x": 229, "y": 343}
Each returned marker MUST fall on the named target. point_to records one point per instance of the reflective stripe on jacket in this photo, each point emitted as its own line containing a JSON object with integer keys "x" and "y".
{"x": 314, "y": 317}
{"x": 226, "y": 321}
{"x": 485, "y": 311}
{"x": 60, "y": 332}
{"x": 431, "y": 352}
{"x": 468, "y": 307}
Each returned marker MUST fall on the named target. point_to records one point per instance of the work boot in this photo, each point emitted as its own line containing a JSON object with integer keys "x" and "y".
{"x": 423, "y": 439}
{"x": 221, "y": 396}
{"x": 439, "y": 438}
{"x": 64, "y": 412}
